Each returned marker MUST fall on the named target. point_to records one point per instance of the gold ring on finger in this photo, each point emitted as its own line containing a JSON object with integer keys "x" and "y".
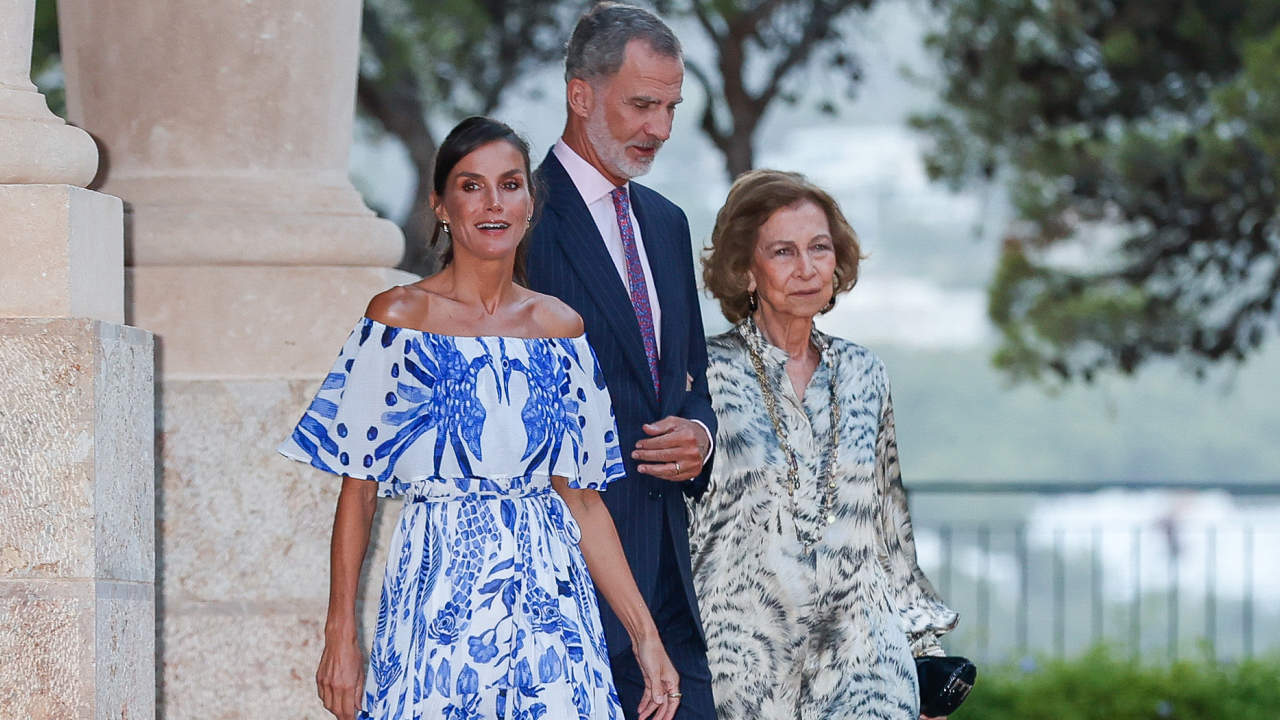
{"x": 677, "y": 467}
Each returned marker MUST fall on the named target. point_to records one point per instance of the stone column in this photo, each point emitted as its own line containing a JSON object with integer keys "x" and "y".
{"x": 226, "y": 129}
{"x": 38, "y": 147}
{"x": 77, "y": 520}
{"x": 77, "y": 564}
{"x": 61, "y": 248}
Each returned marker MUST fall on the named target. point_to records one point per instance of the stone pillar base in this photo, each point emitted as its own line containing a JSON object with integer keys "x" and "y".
{"x": 77, "y": 483}
{"x": 77, "y": 650}
{"x": 42, "y": 150}
{"x": 62, "y": 253}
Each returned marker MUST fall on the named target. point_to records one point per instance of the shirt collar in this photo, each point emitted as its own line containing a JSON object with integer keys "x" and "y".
{"x": 591, "y": 184}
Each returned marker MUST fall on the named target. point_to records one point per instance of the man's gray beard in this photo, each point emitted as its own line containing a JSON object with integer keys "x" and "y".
{"x": 612, "y": 153}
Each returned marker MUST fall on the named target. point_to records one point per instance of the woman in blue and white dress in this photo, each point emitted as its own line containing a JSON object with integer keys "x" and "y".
{"x": 481, "y": 403}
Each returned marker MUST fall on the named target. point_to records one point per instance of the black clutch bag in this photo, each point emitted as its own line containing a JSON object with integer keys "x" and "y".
{"x": 944, "y": 683}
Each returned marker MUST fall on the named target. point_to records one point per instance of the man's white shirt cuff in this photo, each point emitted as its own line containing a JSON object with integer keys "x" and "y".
{"x": 711, "y": 441}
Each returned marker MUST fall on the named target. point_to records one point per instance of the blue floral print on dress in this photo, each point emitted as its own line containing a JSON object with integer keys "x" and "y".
{"x": 487, "y": 609}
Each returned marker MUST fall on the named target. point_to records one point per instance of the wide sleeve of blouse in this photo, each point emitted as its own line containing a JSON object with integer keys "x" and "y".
{"x": 924, "y": 616}
{"x": 599, "y": 456}
{"x": 345, "y": 430}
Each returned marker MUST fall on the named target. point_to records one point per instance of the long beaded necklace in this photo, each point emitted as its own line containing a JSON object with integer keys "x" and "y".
{"x": 808, "y": 538}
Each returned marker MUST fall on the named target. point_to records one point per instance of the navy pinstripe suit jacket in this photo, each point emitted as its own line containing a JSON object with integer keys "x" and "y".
{"x": 567, "y": 258}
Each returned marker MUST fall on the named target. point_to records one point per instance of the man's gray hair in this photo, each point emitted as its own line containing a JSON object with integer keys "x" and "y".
{"x": 598, "y": 44}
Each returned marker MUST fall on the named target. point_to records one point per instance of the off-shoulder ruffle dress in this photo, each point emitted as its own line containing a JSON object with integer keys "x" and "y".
{"x": 487, "y": 609}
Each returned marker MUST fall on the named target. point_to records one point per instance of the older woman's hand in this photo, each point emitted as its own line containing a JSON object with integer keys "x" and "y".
{"x": 674, "y": 450}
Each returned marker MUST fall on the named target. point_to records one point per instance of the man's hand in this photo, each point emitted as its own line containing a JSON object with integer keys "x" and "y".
{"x": 674, "y": 450}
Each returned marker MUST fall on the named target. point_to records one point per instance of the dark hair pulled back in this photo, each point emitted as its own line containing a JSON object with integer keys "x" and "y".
{"x": 465, "y": 138}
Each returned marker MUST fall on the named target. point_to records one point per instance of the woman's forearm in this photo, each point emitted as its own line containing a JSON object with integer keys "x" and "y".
{"x": 352, "y": 521}
{"x": 607, "y": 564}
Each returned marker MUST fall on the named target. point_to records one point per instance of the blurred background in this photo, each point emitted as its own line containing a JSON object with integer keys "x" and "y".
{"x": 1070, "y": 212}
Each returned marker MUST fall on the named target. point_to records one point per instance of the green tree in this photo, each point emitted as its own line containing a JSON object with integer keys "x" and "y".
{"x": 760, "y": 48}
{"x": 1140, "y": 142}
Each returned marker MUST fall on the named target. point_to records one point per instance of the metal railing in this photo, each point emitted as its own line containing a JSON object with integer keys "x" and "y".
{"x": 1029, "y": 579}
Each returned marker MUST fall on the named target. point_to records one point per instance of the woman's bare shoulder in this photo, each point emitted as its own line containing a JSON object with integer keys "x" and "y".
{"x": 552, "y": 317}
{"x": 401, "y": 306}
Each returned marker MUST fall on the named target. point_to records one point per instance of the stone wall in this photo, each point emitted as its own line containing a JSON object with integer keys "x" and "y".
{"x": 250, "y": 255}
{"x": 244, "y": 564}
{"x": 77, "y": 629}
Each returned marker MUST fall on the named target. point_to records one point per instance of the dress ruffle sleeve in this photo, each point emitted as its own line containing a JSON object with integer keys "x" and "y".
{"x": 408, "y": 408}
{"x": 923, "y": 615}
{"x": 599, "y": 456}
{"x": 345, "y": 430}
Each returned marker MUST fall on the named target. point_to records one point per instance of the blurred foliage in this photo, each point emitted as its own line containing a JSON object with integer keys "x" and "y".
{"x": 461, "y": 54}
{"x": 431, "y": 62}
{"x": 1141, "y": 146}
{"x": 760, "y": 49}
{"x": 455, "y": 58}
{"x": 430, "y": 59}
{"x": 46, "y": 59}
{"x": 1155, "y": 426}
{"x": 1102, "y": 686}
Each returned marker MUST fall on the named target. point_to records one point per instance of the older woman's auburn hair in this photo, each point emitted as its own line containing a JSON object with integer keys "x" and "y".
{"x": 754, "y": 197}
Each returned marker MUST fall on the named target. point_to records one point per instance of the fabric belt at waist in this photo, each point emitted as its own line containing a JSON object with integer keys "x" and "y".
{"x": 524, "y": 494}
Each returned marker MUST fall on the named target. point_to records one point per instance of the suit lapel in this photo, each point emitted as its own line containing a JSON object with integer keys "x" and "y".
{"x": 586, "y": 252}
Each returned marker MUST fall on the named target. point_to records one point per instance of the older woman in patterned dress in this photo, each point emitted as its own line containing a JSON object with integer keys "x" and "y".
{"x": 806, "y": 571}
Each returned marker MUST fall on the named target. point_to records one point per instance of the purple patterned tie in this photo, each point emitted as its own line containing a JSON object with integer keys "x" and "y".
{"x": 635, "y": 278}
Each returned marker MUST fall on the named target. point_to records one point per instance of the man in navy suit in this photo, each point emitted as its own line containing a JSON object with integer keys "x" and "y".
{"x": 620, "y": 254}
